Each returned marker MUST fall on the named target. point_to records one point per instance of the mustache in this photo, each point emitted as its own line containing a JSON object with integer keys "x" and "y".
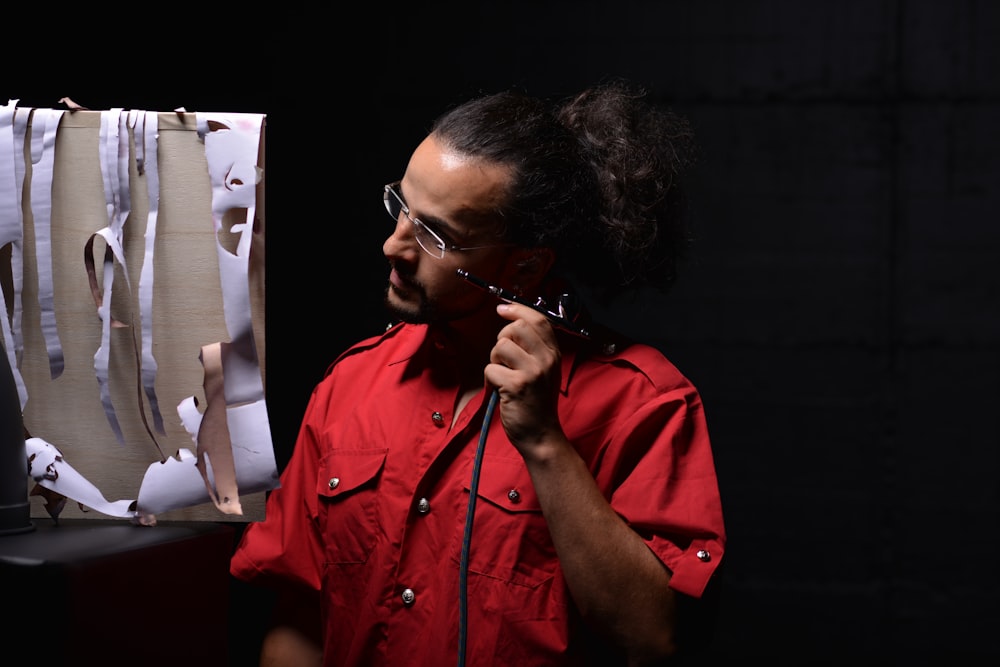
{"x": 407, "y": 276}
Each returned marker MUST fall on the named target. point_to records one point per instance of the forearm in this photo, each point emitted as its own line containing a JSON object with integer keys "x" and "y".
{"x": 618, "y": 584}
{"x": 287, "y": 646}
{"x": 294, "y": 637}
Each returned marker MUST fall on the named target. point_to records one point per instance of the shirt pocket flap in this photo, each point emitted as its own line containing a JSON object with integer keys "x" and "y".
{"x": 341, "y": 472}
{"x": 507, "y": 485}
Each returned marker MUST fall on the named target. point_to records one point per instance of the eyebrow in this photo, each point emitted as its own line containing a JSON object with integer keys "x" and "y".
{"x": 439, "y": 225}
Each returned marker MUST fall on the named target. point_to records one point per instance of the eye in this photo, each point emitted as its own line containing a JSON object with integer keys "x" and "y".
{"x": 447, "y": 240}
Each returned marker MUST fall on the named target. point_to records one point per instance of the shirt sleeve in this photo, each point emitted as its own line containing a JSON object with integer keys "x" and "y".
{"x": 284, "y": 548}
{"x": 670, "y": 496}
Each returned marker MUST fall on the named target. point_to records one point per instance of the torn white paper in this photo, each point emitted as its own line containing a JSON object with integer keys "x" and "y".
{"x": 191, "y": 332}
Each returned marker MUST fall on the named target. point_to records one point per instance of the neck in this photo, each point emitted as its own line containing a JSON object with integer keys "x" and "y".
{"x": 472, "y": 339}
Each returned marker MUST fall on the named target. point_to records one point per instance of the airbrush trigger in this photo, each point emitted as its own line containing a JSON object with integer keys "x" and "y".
{"x": 569, "y": 307}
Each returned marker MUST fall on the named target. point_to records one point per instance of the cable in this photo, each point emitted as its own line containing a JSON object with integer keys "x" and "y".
{"x": 463, "y": 568}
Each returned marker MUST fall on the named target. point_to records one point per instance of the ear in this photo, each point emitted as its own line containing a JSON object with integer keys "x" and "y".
{"x": 530, "y": 266}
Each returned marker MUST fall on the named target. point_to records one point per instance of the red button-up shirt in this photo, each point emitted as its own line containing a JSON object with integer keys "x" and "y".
{"x": 372, "y": 504}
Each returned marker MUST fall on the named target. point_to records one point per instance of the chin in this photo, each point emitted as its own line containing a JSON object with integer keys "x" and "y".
{"x": 401, "y": 311}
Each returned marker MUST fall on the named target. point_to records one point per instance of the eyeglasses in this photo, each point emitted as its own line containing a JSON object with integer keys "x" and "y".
{"x": 426, "y": 237}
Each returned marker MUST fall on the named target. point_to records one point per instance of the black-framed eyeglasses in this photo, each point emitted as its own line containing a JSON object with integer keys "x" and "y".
{"x": 426, "y": 237}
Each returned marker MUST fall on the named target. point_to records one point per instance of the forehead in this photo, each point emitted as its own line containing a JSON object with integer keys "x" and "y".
{"x": 443, "y": 184}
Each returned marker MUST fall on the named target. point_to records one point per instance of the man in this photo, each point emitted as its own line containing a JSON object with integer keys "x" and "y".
{"x": 504, "y": 482}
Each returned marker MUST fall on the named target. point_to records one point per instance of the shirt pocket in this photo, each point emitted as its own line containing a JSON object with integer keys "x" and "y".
{"x": 510, "y": 539}
{"x": 347, "y": 486}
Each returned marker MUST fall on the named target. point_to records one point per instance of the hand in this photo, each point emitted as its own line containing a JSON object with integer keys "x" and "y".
{"x": 525, "y": 369}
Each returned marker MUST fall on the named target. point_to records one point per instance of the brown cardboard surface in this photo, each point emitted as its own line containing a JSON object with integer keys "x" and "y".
{"x": 187, "y": 311}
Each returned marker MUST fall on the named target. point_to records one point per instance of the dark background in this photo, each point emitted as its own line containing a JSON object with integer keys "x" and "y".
{"x": 840, "y": 315}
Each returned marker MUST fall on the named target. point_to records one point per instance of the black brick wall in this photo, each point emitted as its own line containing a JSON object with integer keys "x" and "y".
{"x": 841, "y": 314}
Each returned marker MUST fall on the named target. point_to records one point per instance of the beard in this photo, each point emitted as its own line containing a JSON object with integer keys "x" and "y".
{"x": 423, "y": 312}
{"x": 422, "y": 309}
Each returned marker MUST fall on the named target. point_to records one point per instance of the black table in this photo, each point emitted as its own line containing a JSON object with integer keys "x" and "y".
{"x": 108, "y": 592}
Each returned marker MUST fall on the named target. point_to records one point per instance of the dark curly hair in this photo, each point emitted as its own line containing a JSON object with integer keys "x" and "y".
{"x": 596, "y": 177}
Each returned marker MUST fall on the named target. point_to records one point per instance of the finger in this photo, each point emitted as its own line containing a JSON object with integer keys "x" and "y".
{"x": 528, "y": 328}
{"x": 517, "y": 311}
{"x": 508, "y": 352}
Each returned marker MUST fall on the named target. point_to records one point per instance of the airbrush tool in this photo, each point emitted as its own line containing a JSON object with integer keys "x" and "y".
{"x": 560, "y": 318}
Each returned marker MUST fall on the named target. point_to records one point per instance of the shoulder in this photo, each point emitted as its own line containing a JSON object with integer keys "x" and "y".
{"x": 640, "y": 361}
{"x": 397, "y": 341}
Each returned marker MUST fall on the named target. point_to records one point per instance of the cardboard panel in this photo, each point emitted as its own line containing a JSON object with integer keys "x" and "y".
{"x": 187, "y": 313}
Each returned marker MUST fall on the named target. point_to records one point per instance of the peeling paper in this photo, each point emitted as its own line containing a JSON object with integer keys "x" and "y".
{"x": 147, "y": 165}
{"x": 48, "y": 468}
{"x": 11, "y": 180}
{"x": 45, "y": 123}
{"x": 172, "y": 484}
{"x": 179, "y": 483}
{"x": 233, "y": 450}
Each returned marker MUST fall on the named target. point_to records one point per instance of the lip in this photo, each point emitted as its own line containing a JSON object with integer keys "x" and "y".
{"x": 397, "y": 281}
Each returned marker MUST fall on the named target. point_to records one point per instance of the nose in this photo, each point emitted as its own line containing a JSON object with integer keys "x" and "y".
{"x": 401, "y": 243}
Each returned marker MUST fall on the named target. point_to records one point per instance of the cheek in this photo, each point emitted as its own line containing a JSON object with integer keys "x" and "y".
{"x": 449, "y": 293}
{"x": 440, "y": 283}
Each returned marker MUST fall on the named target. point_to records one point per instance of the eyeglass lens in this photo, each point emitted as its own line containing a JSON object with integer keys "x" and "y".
{"x": 426, "y": 238}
